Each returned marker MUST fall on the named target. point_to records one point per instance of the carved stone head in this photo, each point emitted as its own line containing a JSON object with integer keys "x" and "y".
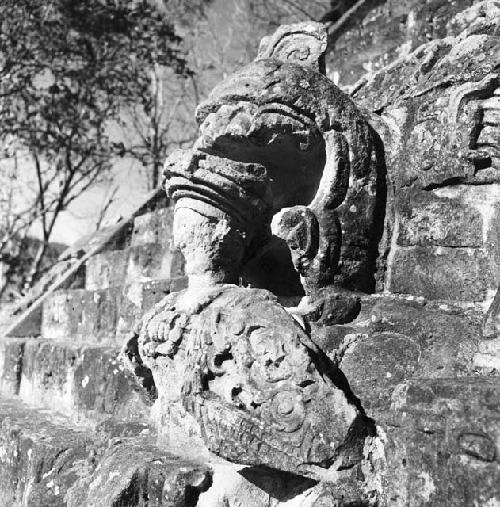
{"x": 277, "y": 134}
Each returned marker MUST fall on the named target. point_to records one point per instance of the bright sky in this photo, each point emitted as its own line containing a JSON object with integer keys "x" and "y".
{"x": 81, "y": 217}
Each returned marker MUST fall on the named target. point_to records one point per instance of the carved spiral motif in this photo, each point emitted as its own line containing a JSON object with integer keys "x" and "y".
{"x": 288, "y": 411}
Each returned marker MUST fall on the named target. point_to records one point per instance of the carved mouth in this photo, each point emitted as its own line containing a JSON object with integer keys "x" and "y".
{"x": 285, "y": 141}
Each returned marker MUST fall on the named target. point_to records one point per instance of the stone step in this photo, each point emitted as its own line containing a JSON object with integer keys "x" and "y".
{"x": 45, "y": 460}
{"x": 142, "y": 262}
{"x": 86, "y": 383}
{"x": 103, "y": 315}
{"x": 153, "y": 227}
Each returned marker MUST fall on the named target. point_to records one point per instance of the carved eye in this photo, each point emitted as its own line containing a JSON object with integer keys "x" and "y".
{"x": 287, "y": 411}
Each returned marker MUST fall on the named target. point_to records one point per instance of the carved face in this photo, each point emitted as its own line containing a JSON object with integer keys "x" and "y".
{"x": 257, "y": 116}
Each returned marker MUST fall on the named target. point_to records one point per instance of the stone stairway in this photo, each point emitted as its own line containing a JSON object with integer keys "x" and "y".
{"x": 120, "y": 286}
{"x": 75, "y": 426}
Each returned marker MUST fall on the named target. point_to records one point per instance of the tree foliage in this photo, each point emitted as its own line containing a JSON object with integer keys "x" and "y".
{"x": 67, "y": 69}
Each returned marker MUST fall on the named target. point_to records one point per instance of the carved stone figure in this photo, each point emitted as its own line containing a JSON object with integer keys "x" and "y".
{"x": 295, "y": 190}
{"x": 278, "y": 135}
{"x": 260, "y": 390}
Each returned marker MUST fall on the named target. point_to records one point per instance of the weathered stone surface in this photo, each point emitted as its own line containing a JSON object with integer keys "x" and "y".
{"x": 138, "y": 474}
{"x": 260, "y": 391}
{"x": 275, "y": 135}
{"x": 103, "y": 315}
{"x": 152, "y": 261}
{"x": 433, "y": 220}
{"x": 11, "y": 363}
{"x": 292, "y": 390}
{"x": 40, "y": 458}
{"x": 441, "y": 443}
{"x": 390, "y": 30}
{"x": 487, "y": 358}
{"x": 302, "y": 43}
{"x": 257, "y": 487}
{"x": 87, "y": 383}
{"x": 464, "y": 274}
{"x": 107, "y": 269}
{"x": 78, "y": 312}
{"x": 46, "y": 461}
{"x": 491, "y": 325}
{"x": 137, "y": 298}
{"x": 436, "y": 109}
{"x": 141, "y": 262}
{"x": 393, "y": 340}
{"x": 456, "y": 231}
{"x": 153, "y": 227}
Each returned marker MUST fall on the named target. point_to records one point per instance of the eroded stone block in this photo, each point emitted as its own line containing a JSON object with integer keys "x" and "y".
{"x": 154, "y": 227}
{"x": 463, "y": 274}
{"x": 107, "y": 269}
{"x": 428, "y": 220}
{"x": 84, "y": 382}
{"x": 442, "y": 443}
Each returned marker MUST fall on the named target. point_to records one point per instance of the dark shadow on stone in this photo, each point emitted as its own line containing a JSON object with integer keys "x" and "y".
{"x": 380, "y": 210}
{"x": 142, "y": 374}
{"x": 363, "y": 426}
{"x": 272, "y": 269}
{"x": 282, "y": 486}
{"x": 192, "y": 493}
{"x": 363, "y": 231}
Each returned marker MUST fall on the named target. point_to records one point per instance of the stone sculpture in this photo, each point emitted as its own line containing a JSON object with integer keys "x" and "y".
{"x": 256, "y": 385}
{"x": 279, "y": 136}
{"x": 261, "y": 391}
{"x": 288, "y": 171}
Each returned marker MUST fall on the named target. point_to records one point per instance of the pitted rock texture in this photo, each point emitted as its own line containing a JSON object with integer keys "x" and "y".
{"x": 437, "y": 112}
{"x": 46, "y": 461}
{"x": 259, "y": 389}
{"x": 391, "y": 29}
{"x": 442, "y": 443}
{"x": 395, "y": 339}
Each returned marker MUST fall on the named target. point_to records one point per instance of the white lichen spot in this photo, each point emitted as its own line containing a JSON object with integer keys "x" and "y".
{"x": 134, "y": 294}
{"x": 427, "y": 487}
{"x": 492, "y": 502}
